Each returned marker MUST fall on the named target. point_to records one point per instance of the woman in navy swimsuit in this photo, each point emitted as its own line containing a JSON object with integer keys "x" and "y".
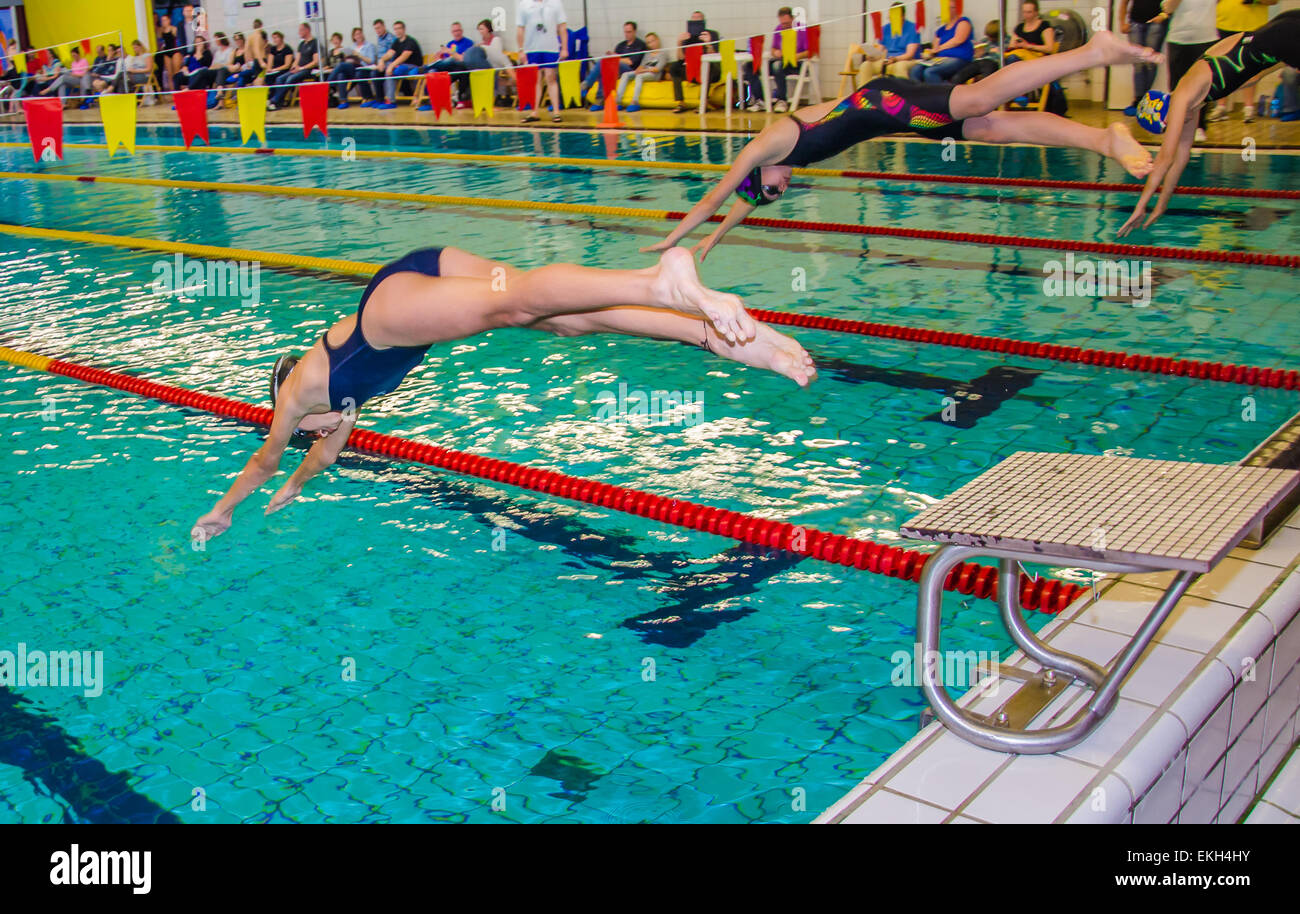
{"x": 438, "y": 295}
{"x": 761, "y": 172}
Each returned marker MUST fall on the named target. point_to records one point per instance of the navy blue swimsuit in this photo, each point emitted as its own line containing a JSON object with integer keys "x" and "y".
{"x": 358, "y": 371}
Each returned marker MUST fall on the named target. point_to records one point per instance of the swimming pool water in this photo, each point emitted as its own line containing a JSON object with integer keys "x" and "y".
{"x": 577, "y": 664}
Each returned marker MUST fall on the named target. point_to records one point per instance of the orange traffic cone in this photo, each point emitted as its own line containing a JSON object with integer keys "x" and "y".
{"x": 611, "y": 112}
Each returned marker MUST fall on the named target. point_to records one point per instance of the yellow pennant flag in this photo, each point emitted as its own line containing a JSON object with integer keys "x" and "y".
{"x": 252, "y": 113}
{"x": 945, "y": 12}
{"x": 20, "y": 62}
{"x": 118, "y": 115}
{"x": 789, "y": 47}
{"x": 896, "y": 20}
{"x": 64, "y": 53}
{"x": 728, "y": 51}
{"x": 482, "y": 89}
{"x": 570, "y": 82}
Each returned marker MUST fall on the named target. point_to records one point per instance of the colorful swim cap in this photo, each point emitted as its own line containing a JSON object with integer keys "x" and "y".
{"x": 751, "y": 189}
{"x": 1152, "y": 109}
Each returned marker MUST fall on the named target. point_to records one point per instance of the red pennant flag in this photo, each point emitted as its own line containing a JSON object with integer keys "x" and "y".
{"x": 314, "y": 100}
{"x": 438, "y": 85}
{"x": 44, "y": 125}
{"x": 43, "y": 57}
{"x": 920, "y": 14}
{"x": 192, "y": 111}
{"x": 526, "y": 83}
{"x": 85, "y": 47}
{"x": 956, "y": 9}
{"x": 814, "y": 41}
{"x": 756, "y": 51}
{"x": 875, "y": 23}
{"x": 693, "y": 53}
{"x": 608, "y": 75}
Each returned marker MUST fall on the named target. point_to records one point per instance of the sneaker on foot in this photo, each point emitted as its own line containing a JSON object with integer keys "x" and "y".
{"x": 1200, "y": 135}
{"x": 1219, "y": 113}
{"x": 1131, "y": 111}
{"x": 780, "y": 106}
{"x": 425, "y": 107}
{"x": 1248, "y": 114}
{"x": 343, "y": 105}
{"x": 635, "y": 107}
{"x": 386, "y": 106}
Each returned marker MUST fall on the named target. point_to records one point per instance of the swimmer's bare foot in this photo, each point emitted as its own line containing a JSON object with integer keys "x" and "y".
{"x": 1109, "y": 48}
{"x": 677, "y": 286}
{"x": 1127, "y": 151}
{"x": 769, "y": 349}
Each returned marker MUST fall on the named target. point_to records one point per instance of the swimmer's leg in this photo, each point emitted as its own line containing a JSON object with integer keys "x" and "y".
{"x": 1022, "y": 77}
{"x": 455, "y": 262}
{"x": 1044, "y": 129}
{"x": 408, "y": 309}
{"x": 768, "y": 349}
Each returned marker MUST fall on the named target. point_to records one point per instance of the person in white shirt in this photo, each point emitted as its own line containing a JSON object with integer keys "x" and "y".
{"x": 543, "y": 36}
{"x": 1191, "y": 34}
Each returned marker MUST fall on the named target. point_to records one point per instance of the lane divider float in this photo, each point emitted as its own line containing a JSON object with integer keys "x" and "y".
{"x": 1226, "y": 372}
{"x": 635, "y": 164}
{"x": 1045, "y": 594}
{"x": 1127, "y": 251}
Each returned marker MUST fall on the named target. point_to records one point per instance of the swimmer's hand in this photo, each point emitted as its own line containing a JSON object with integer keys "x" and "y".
{"x": 702, "y": 249}
{"x": 288, "y": 493}
{"x": 656, "y": 248}
{"x": 1138, "y": 213}
{"x": 214, "y": 523}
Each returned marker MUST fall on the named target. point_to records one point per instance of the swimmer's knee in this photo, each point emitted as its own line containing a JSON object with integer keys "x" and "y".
{"x": 982, "y": 129}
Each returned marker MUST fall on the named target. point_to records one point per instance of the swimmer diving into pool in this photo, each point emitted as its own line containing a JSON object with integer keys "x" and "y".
{"x": 1223, "y": 69}
{"x": 438, "y": 295}
{"x": 761, "y": 173}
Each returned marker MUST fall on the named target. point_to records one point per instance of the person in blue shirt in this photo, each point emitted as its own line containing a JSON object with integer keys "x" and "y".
{"x": 901, "y": 50}
{"x": 954, "y": 46}
{"x": 451, "y": 59}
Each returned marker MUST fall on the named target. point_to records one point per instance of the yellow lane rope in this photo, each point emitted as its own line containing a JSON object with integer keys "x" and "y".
{"x": 447, "y": 157}
{"x": 286, "y": 190}
{"x": 25, "y": 359}
{"x": 273, "y": 258}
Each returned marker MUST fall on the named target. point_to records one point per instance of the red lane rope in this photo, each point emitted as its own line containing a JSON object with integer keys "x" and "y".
{"x": 1262, "y": 193}
{"x": 1048, "y": 595}
{"x": 1251, "y": 258}
{"x": 1108, "y": 358}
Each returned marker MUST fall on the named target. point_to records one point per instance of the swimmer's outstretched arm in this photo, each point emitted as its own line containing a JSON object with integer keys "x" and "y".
{"x": 769, "y": 147}
{"x": 264, "y": 464}
{"x": 320, "y": 457}
{"x": 1174, "y": 154}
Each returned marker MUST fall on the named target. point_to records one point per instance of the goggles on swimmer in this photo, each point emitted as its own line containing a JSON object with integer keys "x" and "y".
{"x": 279, "y": 373}
{"x": 753, "y": 190}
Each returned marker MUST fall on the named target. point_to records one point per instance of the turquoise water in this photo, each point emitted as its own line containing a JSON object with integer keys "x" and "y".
{"x": 570, "y": 663}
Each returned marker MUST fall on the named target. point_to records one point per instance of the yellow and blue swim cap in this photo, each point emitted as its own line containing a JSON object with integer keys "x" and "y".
{"x": 1152, "y": 110}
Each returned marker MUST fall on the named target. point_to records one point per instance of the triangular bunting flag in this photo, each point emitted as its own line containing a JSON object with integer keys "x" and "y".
{"x": 728, "y": 51}
{"x": 789, "y": 47}
{"x": 692, "y": 53}
{"x": 814, "y": 41}
{"x": 570, "y": 82}
{"x": 526, "y": 82}
{"x": 896, "y": 21}
{"x": 192, "y": 112}
{"x": 438, "y": 85}
{"x": 920, "y": 14}
{"x": 875, "y": 24}
{"x": 608, "y": 76}
{"x": 44, "y": 126}
{"x": 756, "y": 51}
{"x": 118, "y": 114}
{"x": 481, "y": 83}
{"x": 252, "y": 113}
{"x": 85, "y": 47}
{"x": 314, "y": 100}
